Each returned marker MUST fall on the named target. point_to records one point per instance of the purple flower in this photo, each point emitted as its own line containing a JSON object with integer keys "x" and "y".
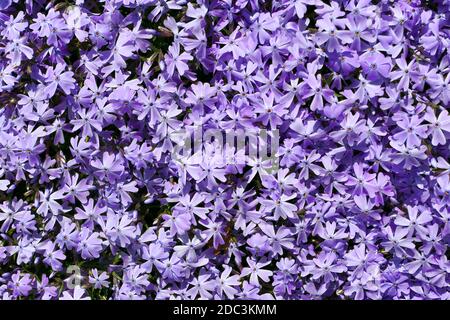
{"x": 177, "y": 61}
{"x": 77, "y": 293}
{"x": 52, "y": 256}
{"x": 20, "y": 285}
{"x": 438, "y": 125}
{"x": 58, "y": 78}
{"x": 227, "y": 284}
{"x": 256, "y": 271}
{"x": 89, "y": 244}
{"x": 224, "y": 150}
{"x": 99, "y": 280}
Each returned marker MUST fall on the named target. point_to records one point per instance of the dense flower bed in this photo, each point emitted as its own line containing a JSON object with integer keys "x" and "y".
{"x": 95, "y": 204}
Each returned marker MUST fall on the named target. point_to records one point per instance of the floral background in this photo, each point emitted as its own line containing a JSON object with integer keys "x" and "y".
{"x": 93, "y": 204}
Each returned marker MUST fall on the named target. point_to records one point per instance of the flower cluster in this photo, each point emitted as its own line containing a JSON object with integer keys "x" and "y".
{"x": 91, "y": 93}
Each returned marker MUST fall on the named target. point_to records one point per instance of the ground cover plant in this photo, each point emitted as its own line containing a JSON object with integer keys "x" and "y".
{"x": 98, "y": 202}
